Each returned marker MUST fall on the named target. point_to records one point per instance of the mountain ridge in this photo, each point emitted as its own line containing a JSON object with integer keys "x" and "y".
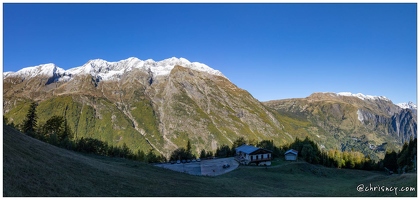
{"x": 164, "y": 104}
{"x": 160, "y": 68}
{"x": 408, "y": 105}
{"x": 355, "y": 123}
{"x": 139, "y": 107}
{"x": 108, "y": 70}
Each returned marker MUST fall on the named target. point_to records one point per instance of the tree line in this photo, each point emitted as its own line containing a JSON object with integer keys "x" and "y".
{"x": 57, "y": 132}
{"x": 402, "y": 161}
{"x": 308, "y": 151}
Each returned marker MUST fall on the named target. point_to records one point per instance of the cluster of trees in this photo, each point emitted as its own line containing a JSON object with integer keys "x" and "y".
{"x": 348, "y": 159}
{"x": 404, "y": 160}
{"x": 95, "y": 146}
{"x": 56, "y": 131}
{"x": 221, "y": 152}
{"x": 182, "y": 153}
{"x": 226, "y": 151}
{"x": 309, "y": 151}
{"x": 206, "y": 154}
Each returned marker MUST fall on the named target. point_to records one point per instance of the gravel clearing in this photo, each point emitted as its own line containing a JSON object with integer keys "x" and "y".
{"x": 212, "y": 167}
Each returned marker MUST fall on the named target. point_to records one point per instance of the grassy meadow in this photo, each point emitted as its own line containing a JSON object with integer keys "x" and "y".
{"x": 34, "y": 168}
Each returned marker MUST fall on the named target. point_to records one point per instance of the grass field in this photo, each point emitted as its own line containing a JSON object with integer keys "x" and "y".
{"x": 33, "y": 168}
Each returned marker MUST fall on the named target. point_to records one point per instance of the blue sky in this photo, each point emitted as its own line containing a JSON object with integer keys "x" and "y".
{"x": 274, "y": 51}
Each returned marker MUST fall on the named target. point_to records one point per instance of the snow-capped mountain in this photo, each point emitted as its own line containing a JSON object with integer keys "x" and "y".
{"x": 380, "y": 102}
{"x": 362, "y": 96}
{"x": 105, "y": 70}
{"x": 145, "y": 104}
{"x": 409, "y": 105}
{"x": 49, "y": 69}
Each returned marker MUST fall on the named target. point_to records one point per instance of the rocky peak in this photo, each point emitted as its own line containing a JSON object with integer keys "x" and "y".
{"x": 363, "y": 97}
{"x": 49, "y": 70}
{"x": 104, "y": 70}
{"x": 410, "y": 105}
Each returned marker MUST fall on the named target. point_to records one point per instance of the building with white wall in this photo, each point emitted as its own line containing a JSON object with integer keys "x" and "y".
{"x": 247, "y": 154}
{"x": 291, "y": 154}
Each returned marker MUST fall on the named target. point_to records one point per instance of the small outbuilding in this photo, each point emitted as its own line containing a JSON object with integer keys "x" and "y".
{"x": 291, "y": 155}
{"x": 247, "y": 154}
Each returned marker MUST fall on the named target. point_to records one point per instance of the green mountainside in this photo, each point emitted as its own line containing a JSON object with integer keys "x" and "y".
{"x": 164, "y": 112}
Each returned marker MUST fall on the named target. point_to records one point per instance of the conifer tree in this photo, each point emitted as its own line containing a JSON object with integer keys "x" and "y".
{"x": 141, "y": 156}
{"x": 238, "y": 142}
{"x": 390, "y": 160}
{"x": 203, "y": 154}
{"x": 189, "y": 147}
{"x": 30, "y": 122}
{"x": 151, "y": 157}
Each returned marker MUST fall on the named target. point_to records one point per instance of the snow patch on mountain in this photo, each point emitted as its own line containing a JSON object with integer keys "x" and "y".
{"x": 409, "y": 105}
{"x": 362, "y": 96}
{"x": 164, "y": 67}
{"x": 104, "y": 70}
{"x": 360, "y": 115}
{"x": 6, "y": 74}
{"x": 49, "y": 70}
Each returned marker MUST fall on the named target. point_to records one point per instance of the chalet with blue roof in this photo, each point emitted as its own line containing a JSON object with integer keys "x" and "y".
{"x": 247, "y": 154}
